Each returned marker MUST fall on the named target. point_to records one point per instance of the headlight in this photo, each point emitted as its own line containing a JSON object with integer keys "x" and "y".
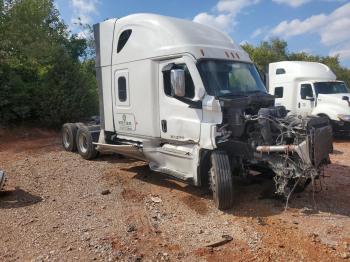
{"x": 344, "y": 118}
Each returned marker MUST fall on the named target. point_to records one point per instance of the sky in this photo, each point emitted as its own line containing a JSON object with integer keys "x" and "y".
{"x": 319, "y": 27}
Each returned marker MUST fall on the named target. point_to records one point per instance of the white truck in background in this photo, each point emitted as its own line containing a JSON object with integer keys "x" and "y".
{"x": 308, "y": 88}
{"x": 188, "y": 100}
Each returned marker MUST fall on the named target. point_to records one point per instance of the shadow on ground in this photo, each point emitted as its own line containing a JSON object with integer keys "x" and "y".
{"x": 337, "y": 152}
{"x": 255, "y": 197}
{"x": 144, "y": 174}
{"x": 17, "y": 198}
{"x": 115, "y": 159}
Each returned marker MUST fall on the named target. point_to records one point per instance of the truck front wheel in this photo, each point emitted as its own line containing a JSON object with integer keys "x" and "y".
{"x": 221, "y": 180}
{"x": 84, "y": 143}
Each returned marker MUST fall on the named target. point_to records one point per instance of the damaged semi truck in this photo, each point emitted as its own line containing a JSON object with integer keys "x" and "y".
{"x": 188, "y": 100}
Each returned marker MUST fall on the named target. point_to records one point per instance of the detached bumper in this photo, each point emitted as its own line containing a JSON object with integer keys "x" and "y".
{"x": 315, "y": 150}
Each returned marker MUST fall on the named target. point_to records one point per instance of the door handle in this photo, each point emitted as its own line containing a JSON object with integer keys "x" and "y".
{"x": 298, "y": 105}
{"x": 164, "y": 126}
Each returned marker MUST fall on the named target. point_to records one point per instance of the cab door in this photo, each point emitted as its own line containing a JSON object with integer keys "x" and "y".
{"x": 306, "y": 99}
{"x": 124, "y": 118}
{"x": 180, "y": 119}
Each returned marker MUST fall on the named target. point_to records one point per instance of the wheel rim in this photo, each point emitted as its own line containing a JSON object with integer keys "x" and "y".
{"x": 66, "y": 138}
{"x": 83, "y": 145}
{"x": 2, "y": 179}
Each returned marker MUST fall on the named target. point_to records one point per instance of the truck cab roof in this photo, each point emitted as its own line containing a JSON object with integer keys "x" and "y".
{"x": 299, "y": 70}
{"x": 152, "y": 36}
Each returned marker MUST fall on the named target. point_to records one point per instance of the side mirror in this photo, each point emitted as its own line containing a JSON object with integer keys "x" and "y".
{"x": 177, "y": 77}
{"x": 346, "y": 98}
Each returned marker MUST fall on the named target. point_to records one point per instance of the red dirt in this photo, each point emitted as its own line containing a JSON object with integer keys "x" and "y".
{"x": 52, "y": 209}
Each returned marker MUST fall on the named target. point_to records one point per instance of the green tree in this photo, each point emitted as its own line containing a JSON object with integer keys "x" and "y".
{"x": 267, "y": 52}
{"x": 45, "y": 73}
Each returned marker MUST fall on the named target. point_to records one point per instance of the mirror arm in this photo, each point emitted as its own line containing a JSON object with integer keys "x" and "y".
{"x": 192, "y": 104}
{"x": 168, "y": 67}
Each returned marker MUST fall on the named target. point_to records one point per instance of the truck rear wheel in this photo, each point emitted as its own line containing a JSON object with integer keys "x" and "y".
{"x": 84, "y": 143}
{"x": 2, "y": 179}
{"x": 69, "y": 132}
{"x": 221, "y": 180}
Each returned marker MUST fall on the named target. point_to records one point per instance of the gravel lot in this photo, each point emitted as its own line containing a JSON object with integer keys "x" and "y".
{"x": 58, "y": 207}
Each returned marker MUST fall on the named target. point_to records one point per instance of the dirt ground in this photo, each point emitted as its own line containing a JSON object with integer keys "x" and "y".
{"x": 58, "y": 207}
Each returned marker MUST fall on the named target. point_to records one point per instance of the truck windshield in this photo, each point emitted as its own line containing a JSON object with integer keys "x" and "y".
{"x": 230, "y": 78}
{"x": 330, "y": 88}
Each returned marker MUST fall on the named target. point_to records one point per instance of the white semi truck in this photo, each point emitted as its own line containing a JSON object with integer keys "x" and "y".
{"x": 188, "y": 100}
{"x": 308, "y": 88}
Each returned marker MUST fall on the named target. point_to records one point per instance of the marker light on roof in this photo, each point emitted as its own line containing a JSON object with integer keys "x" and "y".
{"x": 202, "y": 52}
{"x": 227, "y": 55}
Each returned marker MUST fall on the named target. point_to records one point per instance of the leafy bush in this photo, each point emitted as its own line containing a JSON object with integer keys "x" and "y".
{"x": 45, "y": 74}
{"x": 69, "y": 93}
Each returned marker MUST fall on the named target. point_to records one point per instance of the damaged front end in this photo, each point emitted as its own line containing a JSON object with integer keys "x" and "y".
{"x": 300, "y": 152}
{"x": 259, "y": 136}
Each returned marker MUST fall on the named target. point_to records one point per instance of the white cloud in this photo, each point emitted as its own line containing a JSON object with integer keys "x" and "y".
{"x": 306, "y": 50}
{"x": 298, "y": 27}
{"x": 297, "y": 3}
{"x": 234, "y": 6}
{"x": 83, "y": 10}
{"x": 244, "y": 42}
{"x": 332, "y": 28}
{"x": 85, "y": 6}
{"x": 224, "y": 14}
{"x": 222, "y": 22}
{"x": 343, "y": 51}
{"x": 337, "y": 31}
{"x": 292, "y": 3}
{"x": 259, "y": 31}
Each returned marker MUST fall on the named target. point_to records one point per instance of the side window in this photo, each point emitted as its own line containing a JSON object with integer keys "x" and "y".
{"x": 280, "y": 71}
{"x": 279, "y": 92}
{"x": 123, "y": 39}
{"x": 121, "y": 88}
{"x": 122, "y": 93}
{"x": 189, "y": 85}
{"x": 306, "y": 91}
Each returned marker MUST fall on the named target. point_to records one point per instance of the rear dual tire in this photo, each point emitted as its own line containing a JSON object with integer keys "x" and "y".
{"x": 69, "y": 132}
{"x": 77, "y": 137}
{"x": 221, "y": 180}
{"x": 2, "y": 179}
{"x": 84, "y": 143}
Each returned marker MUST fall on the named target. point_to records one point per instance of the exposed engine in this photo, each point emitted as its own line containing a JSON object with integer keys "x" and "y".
{"x": 257, "y": 135}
